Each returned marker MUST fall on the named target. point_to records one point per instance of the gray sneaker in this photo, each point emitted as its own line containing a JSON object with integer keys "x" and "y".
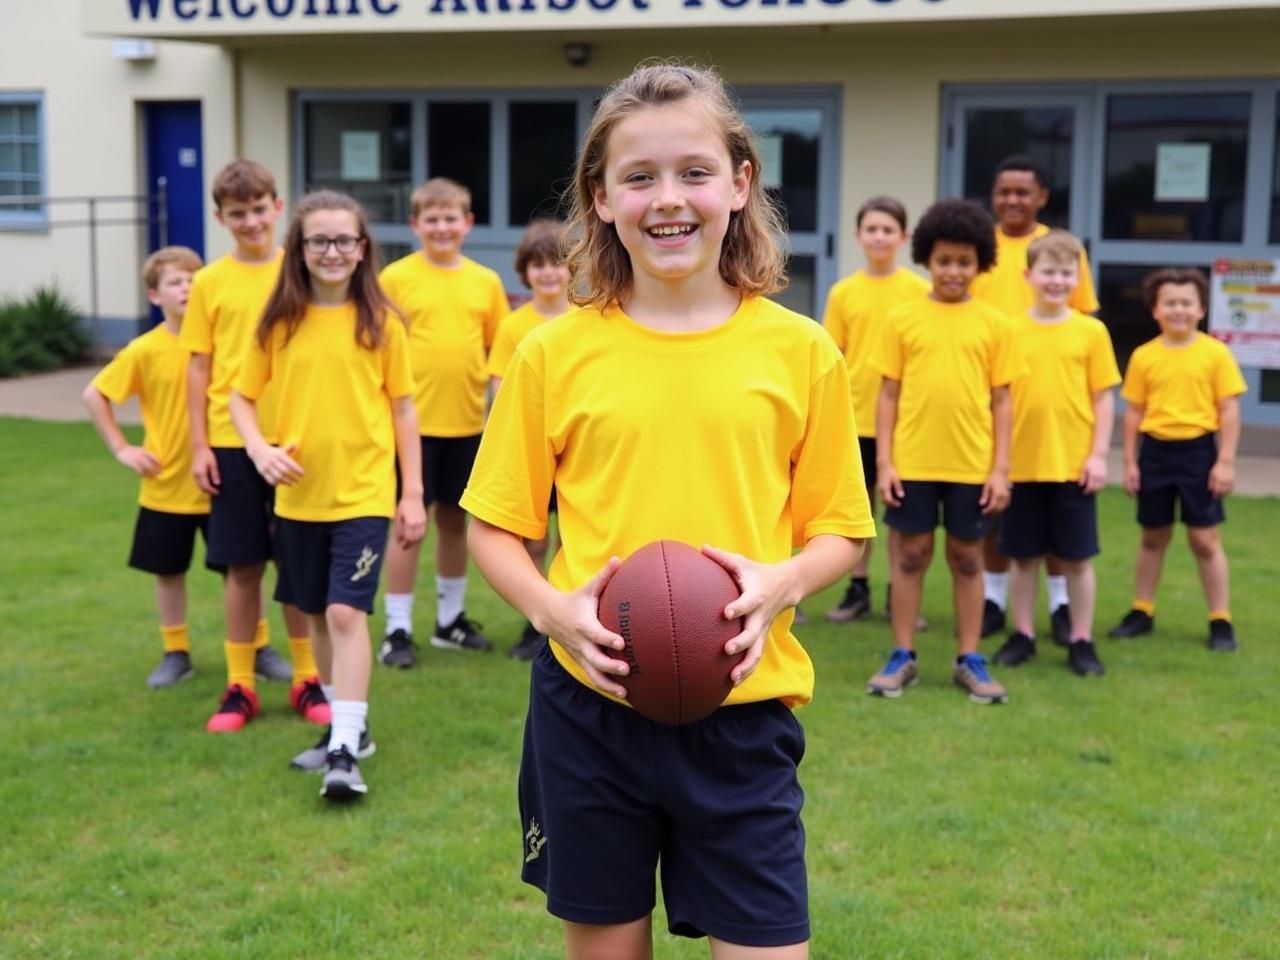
{"x": 898, "y": 673}
{"x": 342, "y": 780}
{"x": 174, "y": 668}
{"x": 313, "y": 758}
{"x": 971, "y": 674}
{"x": 269, "y": 665}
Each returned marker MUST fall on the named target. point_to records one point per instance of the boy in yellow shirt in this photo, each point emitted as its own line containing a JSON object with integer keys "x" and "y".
{"x": 226, "y": 303}
{"x": 1019, "y": 192}
{"x": 453, "y": 307}
{"x": 171, "y": 508}
{"x": 1062, "y": 418}
{"x": 942, "y": 437}
{"x": 855, "y": 316}
{"x": 1182, "y": 387}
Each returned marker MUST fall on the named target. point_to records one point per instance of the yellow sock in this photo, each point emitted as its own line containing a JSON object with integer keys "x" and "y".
{"x": 1146, "y": 606}
{"x": 175, "y": 639}
{"x": 304, "y": 661}
{"x": 240, "y": 664}
{"x": 262, "y": 634}
{"x": 1220, "y": 615}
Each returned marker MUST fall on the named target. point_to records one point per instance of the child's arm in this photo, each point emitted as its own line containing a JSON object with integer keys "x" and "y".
{"x": 995, "y": 492}
{"x": 571, "y": 618}
{"x": 411, "y": 513}
{"x": 769, "y": 588}
{"x": 203, "y": 463}
{"x": 274, "y": 463}
{"x": 1094, "y": 475}
{"x": 1132, "y": 421}
{"x": 140, "y": 461}
{"x": 888, "y": 481}
{"x": 1222, "y": 478}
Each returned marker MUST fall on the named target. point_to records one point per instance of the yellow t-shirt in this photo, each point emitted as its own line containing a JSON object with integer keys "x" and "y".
{"x": 452, "y": 316}
{"x": 948, "y": 357}
{"x": 856, "y": 310}
{"x": 154, "y": 366}
{"x": 1053, "y": 421}
{"x": 335, "y": 405}
{"x": 518, "y": 324}
{"x": 740, "y": 437}
{"x": 221, "y": 320}
{"x": 1180, "y": 387}
{"x": 1005, "y": 287}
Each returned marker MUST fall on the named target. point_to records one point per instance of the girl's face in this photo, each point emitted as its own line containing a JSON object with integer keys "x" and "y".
{"x": 547, "y": 279}
{"x": 332, "y": 246}
{"x": 669, "y": 186}
{"x": 880, "y": 236}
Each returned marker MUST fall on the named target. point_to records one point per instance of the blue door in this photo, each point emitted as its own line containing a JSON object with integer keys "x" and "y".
{"x": 175, "y": 178}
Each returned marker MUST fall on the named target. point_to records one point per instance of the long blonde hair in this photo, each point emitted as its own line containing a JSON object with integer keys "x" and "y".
{"x": 751, "y": 258}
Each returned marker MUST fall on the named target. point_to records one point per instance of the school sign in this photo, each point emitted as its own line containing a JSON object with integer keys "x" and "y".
{"x": 227, "y": 19}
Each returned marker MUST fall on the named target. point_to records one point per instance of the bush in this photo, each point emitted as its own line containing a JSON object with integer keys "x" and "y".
{"x": 41, "y": 332}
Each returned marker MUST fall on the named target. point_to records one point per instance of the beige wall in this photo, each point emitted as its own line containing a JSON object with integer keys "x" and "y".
{"x": 92, "y": 144}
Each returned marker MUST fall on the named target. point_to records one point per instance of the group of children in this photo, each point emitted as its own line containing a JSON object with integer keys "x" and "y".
{"x": 323, "y": 403}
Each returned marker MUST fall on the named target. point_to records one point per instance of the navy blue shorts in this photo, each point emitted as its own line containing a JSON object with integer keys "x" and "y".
{"x": 867, "y": 450}
{"x": 962, "y": 518}
{"x": 241, "y": 522}
{"x": 607, "y": 797}
{"x": 1177, "y": 472}
{"x": 1050, "y": 518}
{"x": 163, "y": 543}
{"x": 330, "y": 562}
{"x": 446, "y": 467}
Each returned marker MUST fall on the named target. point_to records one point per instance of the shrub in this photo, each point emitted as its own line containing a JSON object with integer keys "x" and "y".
{"x": 40, "y": 332}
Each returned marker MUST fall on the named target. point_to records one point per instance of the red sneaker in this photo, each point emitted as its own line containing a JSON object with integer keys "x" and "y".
{"x": 238, "y": 707}
{"x": 309, "y": 701}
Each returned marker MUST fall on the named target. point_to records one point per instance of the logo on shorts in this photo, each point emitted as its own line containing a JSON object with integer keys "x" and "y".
{"x": 534, "y": 840}
{"x": 364, "y": 566}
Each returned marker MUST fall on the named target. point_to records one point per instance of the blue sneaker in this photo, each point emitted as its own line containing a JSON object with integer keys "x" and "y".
{"x": 898, "y": 673}
{"x": 971, "y": 674}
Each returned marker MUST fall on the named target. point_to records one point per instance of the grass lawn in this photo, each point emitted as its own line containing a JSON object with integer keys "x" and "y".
{"x": 1135, "y": 816}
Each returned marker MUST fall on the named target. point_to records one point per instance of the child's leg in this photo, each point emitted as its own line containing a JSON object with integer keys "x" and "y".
{"x": 964, "y": 557}
{"x": 995, "y": 569}
{"x": 171, "y": 599}
{"x": 1211, "y": 560}
{"x": 1155, "y": 541}
{"x": 1082, "y": 596}
{"x": 623, "y": 941}
{"x": 913, "y": 553}
{"x": 720, "y": 950}
{"x": 242, "y": 603}
{"x": 351, "y": 654}
{"x": 863, "y": 566}
{"x": 322, "y": 648}
{"x": 1024, "y": 584}
{"x": 451, "y": 540}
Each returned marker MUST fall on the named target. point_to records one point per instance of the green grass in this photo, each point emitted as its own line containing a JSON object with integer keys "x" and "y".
{"x": 1129, "y": 817}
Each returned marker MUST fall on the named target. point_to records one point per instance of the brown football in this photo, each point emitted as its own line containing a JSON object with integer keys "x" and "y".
{"x": 667, "y": 602}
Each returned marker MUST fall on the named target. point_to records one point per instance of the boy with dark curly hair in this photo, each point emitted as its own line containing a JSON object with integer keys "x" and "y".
{"x": 942, "y": 436}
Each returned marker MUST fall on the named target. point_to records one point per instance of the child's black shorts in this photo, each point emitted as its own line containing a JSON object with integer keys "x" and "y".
{"x": 1056, "y": 518}
{"x": 330, "y": 562}
{"x": 607, "y": 797}
{"x": 962, "y": 517}
{"x": 241, "y": 521}
{"x": 867, "y": 450}
{"x": 1177, "y": 471}
{"x": 446, "y": 467}
{"x": 163, "y": 543}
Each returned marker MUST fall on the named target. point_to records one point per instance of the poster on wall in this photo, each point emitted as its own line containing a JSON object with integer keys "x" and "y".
{"x": 1244, "y": 310}
{"x": 361, "y": 158}
{"x": 1182, "y": 172}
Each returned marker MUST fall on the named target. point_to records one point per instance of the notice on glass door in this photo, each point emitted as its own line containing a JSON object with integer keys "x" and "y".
{"x": 1182, "y": 172}
{"x": 360, "y": 155}
{"x": 1244, "y": 310}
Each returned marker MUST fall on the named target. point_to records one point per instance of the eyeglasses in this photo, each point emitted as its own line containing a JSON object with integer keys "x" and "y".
{"x": 319, "y": 246}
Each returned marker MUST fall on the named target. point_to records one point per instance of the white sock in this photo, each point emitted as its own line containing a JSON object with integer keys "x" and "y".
{"x": 349, "y": 718}
{"x": 1057, "y": 592}
{"x": 451, "y": 592}
{"x": 328, "y": 691}
{"x": 995, "y": 586}
{"x": 399, "y": 612}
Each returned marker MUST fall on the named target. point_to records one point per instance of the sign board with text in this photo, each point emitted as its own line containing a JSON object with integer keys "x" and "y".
{"x": 1244, "y": 310}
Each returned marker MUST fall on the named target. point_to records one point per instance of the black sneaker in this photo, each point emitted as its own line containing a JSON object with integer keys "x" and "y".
{"x": 854, "y": 605}
{"x": 992, "y": 618}
{"x": 398, "y": 650}
{"x": 1060, "y": 623}
{"x": 1083, "y": 659}
{"x": 1222, "y": 636}
{"x": 1134, "y": 624}
{"x": 312, "y": 760}
{"x": 1018, "y": 649}
{"x": 530, "y": 643}
{"x": 269, "y": 665}
{"x": 342, "y": 780}
{"x": 462, "y": 634}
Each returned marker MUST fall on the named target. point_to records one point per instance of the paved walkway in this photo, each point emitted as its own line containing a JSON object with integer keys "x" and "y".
{"x": 56, "y": 396}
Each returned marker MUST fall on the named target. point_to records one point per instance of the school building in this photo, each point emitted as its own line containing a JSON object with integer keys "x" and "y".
{"x": 1158, "y": 119}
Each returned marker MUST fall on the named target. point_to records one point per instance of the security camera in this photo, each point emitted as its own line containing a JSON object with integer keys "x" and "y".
{"x": 577, "y": 54}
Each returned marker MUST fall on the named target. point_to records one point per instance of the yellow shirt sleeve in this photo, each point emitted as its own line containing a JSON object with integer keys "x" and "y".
{"x": 1085, "y": 298}
{"x": 1228, "y": 381}
{"x": 504, "y": 347}
{"x": 833, "y": 318}
{"x": 886, "y": 357}
{"x": 499, "y": 308}
{"x": 1134, "y": 389}
{"x": 397, "y": 371}
{"x": 255, "y": 371}
{"x": 120, "y": 379}
{"x": 197, "y": 321}
{"x": 1103, "y": 371}
{"x": 1007, "y": 362}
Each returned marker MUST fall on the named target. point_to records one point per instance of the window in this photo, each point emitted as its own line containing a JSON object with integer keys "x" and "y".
{"x": 362, "y": 148}
{"x": 458, "y": 138}
{"x": 789, "y": 141}
{"x": 1175, "y": 167}
{"x": 21, "y": 169}
{"x": 1044, "y": 133}
{"x": 1269, "y": 391}
{"x": 540, "y": 150}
